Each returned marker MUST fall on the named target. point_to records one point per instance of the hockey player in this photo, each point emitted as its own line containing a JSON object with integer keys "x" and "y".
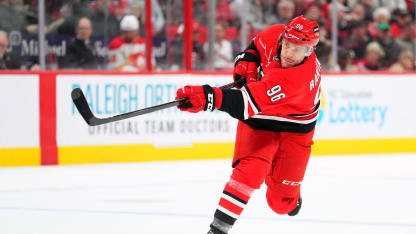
{"x": 277, "y": 116}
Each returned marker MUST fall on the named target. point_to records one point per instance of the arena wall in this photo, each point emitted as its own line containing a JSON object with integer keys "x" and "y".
{"x": 360, "y": 114}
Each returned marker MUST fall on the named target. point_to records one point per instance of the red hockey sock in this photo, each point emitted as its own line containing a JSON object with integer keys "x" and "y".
{"x": 232, "y": 203}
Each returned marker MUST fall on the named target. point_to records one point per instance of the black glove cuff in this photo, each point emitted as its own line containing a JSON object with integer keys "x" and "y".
{"x": 246, "y": 56}
{"x": 209, "y": 97}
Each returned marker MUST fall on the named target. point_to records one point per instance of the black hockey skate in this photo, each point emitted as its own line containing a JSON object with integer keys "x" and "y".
{"x": 297, "y": 208}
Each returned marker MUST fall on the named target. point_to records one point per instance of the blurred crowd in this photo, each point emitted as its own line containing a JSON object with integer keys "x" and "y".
{"x": 373, "y": 35}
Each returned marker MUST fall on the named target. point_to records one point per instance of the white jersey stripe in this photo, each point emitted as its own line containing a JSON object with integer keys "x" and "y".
{"x": 232, "y": 200}
{"x": 244, "y": 93}
{"x": 256, "y": 111}
{"x": 227, "y": 212}
{"x": 301, "y": 116}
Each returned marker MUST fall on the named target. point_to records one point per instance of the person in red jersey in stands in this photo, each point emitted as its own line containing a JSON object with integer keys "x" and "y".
{"x": 128, "y": 51}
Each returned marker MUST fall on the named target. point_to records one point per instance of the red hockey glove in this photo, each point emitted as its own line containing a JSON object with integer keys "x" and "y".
{"x": 199, "y": 98}
{"x": 245, "y": 68}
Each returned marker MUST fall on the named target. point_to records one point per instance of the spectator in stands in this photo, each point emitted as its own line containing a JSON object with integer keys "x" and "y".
{"x": 323, "y": 49}
{"x": 380, "y": 15}
{"x": 253, "y": 14}
{"x": 257, "y": 16}
{"x": 8, "y": 60}
{"x": 400, "y": 19}
{"x": 174, "y": 10}
{"x": 198, "y": 54}
{"x": 116, "y": 8}
{"x": 391, "y": 5}
{"x": 223, "y": 13}
{"x": 128, "y": 51}
{"x": 358, "y": 13}
{"x": 70, "y": 14}
{"x": 105, "y": 24}
{"x": 137, "y": 10}
{"x": 30, "y": 16}
{"x": 81, "y": 54}
{"x": 285, "y": 11}
{"x": 374, "y": 53}
{"x": 323, "y": 52}
{"x": 158, "y": 20}
{"x": 407, "y": 40}
{"x": 405, "y": 63}
{"x": 236, "y": 42}
{"x": 313, "y": 12}
{"x": 343, "y": 19}
{"x": 368, "y": 8}
{"x": 160, "y": 43}
{"x": 269, "y": 9}
{"x": 388, "y": 44}
{"x": 176, "y": 49}
{"x": 358, "y": 40}
{"x": 11, "y": 16}
{"x": 299, "y": 6}
{"x": 345, "y": 60}
{"x": 199, "y": 11}
{"x": 340, "y": 6}
{"x": 223, "y": 53}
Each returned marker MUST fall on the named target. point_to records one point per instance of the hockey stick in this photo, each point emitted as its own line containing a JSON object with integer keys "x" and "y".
{"x": 84, "y": 109}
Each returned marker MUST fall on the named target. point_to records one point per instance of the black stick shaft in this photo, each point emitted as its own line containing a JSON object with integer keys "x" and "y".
{"x": 136, "y": 113}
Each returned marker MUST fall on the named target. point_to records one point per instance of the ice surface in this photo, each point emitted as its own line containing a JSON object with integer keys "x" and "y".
{"x": 343, "y": 194}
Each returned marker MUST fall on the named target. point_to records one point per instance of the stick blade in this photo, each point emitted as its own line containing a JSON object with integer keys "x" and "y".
{"x": 82, "y": 106}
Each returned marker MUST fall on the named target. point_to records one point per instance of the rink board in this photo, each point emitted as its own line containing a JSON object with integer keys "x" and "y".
{"x": 19, "y": 125}
{"x": 359, "y": 114}
{"x": 164, "y": 135}
{"x": 142, "y": 153}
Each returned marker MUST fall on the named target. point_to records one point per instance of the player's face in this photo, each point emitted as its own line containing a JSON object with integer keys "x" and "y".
{"x": 292, "y": 54}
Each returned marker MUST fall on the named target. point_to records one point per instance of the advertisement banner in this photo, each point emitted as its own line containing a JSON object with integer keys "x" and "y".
{"x": 352, "y": 107}
{"x": 363, "y": 106}
{"x": 19, "y": 101}
{"x": 110, "y": 95}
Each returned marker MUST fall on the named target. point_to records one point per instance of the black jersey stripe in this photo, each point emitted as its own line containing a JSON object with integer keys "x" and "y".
{"x": 233, "y": 103}
{"x": 303, "y": 115}
{"x": 235, "y": 197}
{"x": 279, "y": 126}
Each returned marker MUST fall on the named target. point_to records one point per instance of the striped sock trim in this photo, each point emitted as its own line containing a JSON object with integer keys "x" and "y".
{"x": 231, "y": 205}
{"x": 234, "y": 199}
{"x": 244, "y": 189}
{"x": 228, "y": 212}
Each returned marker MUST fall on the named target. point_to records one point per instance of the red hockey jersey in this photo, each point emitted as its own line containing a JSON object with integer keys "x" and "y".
{"x": 285, "y": 99}
{"x": 126, "y": 56}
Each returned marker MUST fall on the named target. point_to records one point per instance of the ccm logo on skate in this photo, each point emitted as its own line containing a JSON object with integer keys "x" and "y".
{"x": 291, "y": 183}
